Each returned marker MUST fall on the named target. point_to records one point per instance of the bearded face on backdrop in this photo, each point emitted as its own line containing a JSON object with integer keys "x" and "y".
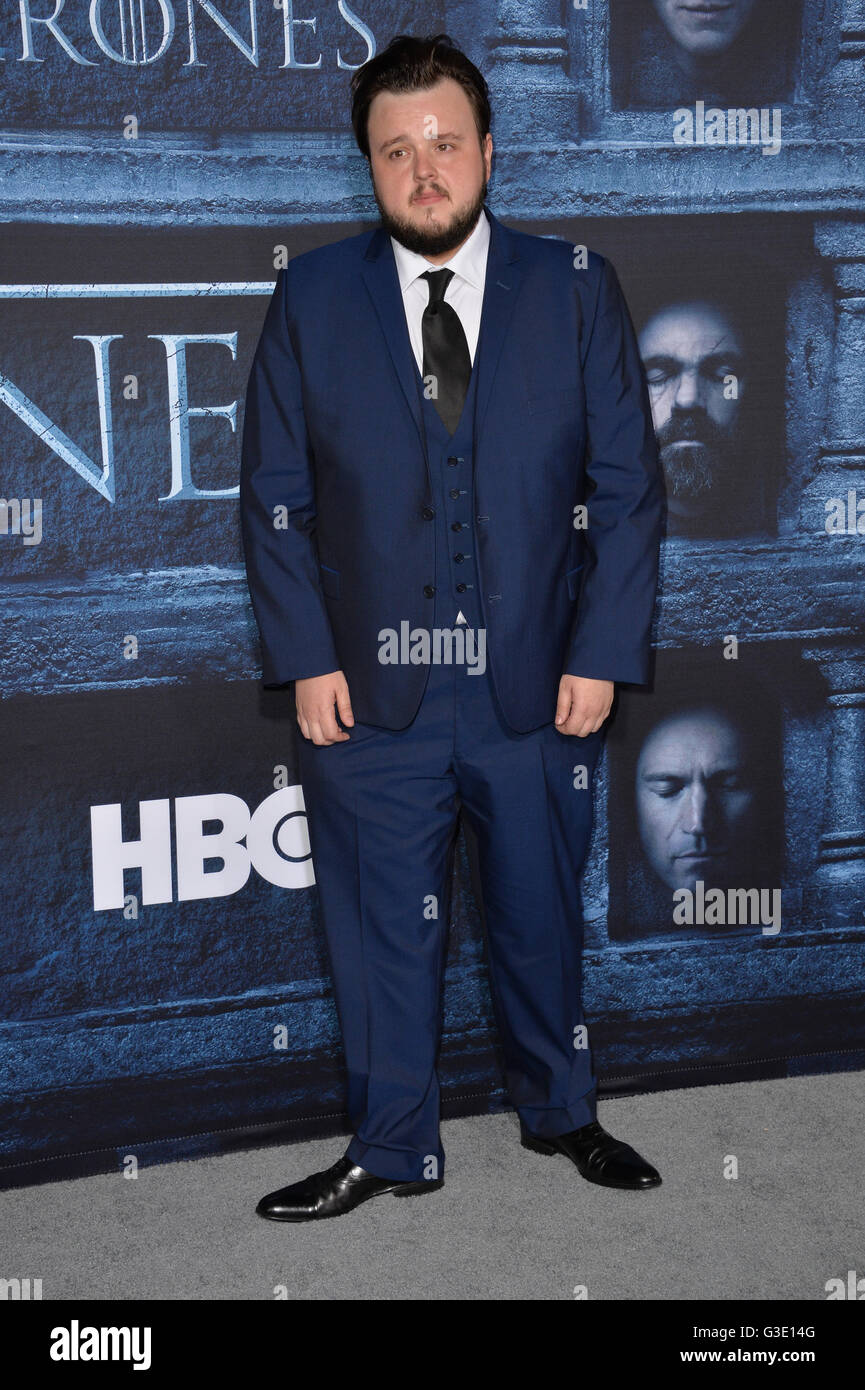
{"x": 694, "y": 356}
{"x": 710, "y": 332}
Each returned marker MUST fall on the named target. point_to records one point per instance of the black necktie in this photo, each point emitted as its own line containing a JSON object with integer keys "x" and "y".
{"x": 446, "y": 356}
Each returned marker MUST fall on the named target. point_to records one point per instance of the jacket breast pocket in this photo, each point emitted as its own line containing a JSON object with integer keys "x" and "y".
{"x": 564, "y": 399}
{"x": 572, "y": 579}
{"x": 329, "y": 580}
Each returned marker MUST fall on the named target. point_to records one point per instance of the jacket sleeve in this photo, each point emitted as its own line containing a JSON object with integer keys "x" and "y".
{"x": 277, "y": 511}
{"x": 610, "y": 637}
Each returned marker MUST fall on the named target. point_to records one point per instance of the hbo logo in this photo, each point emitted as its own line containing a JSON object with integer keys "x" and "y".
{"x": 273, "y": 840}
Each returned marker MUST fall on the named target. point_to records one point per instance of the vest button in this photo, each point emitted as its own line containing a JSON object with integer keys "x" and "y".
{"x": 459, "y": 557}
{"x": 456, "y": 525}
{"x": 452, "y": 462}
{"x": 454, "y": 493}
{"x": 461, "y": 588}
{"x": 428, "y": 513}
{"x": 429, "y": 590}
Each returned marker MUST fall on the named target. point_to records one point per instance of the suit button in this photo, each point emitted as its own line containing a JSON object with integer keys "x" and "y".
{"x": 459, "y": 557}
{"x": 429, "y": 590}
{"x": 428, "y": 513}
{"x": 461, "y": 588}
{"x": 454, "y": 493}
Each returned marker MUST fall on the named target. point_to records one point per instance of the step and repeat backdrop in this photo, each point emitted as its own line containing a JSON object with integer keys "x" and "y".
{"x": 164, "y": 979}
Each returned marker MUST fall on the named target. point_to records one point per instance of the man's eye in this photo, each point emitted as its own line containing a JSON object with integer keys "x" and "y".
{"x": 667, "y": 788}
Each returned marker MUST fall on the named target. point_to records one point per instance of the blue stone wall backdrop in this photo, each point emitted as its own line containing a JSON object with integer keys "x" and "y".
{"x": 151, "y": 182}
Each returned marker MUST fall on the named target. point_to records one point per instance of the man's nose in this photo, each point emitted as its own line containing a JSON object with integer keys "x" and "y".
{"x": 688, "y": 389}
{"x": 425, "y": 165}
{"x": 695, "y": 814}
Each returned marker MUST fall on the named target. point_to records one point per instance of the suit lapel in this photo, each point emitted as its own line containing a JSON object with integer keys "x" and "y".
{"x": 504, "y": 276}
{"x": 382, "y": 281}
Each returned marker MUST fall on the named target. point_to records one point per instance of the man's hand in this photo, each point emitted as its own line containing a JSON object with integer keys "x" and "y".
{"x": 315, "y": 697}
{"x": 583, "y": 705}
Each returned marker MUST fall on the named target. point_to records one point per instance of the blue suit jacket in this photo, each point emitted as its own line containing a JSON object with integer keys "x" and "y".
{"x": 334, "y": 480}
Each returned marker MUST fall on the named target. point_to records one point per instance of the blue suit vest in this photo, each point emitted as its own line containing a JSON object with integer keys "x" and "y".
{"x": 451, "y": 467}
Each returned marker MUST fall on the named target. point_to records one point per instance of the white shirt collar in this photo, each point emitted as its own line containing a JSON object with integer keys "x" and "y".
{"x": 470, "y": 261}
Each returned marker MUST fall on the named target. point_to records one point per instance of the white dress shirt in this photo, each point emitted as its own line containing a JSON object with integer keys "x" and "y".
{"x": 465, "y": 291}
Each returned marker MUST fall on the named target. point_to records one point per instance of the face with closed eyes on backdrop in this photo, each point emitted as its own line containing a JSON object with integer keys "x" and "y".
{"x": 702, "y": 29}
{"x": 428, "y": 166}
{"x": 695, "y": 367}
{"x": 696, "y": 802}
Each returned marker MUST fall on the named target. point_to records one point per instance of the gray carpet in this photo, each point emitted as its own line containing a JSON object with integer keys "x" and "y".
{"x": 508, "y": 1224}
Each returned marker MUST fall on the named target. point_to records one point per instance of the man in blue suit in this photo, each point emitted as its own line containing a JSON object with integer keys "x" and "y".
{"x": 451, "y": 506}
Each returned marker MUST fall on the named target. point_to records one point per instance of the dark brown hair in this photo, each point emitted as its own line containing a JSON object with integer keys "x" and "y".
{"x": 411, "y": 64}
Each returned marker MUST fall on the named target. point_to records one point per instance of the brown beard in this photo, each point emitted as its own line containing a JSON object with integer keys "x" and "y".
{"x": 433, "y": 242}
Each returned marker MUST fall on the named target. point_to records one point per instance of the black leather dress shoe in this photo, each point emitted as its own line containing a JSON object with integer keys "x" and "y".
{"x": 599, "y": 1157}
{"x": 336, "y": 1190}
